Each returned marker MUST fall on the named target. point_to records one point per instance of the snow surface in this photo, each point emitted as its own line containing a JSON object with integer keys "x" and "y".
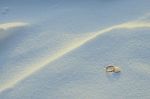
{"x": 58, "y": 49}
